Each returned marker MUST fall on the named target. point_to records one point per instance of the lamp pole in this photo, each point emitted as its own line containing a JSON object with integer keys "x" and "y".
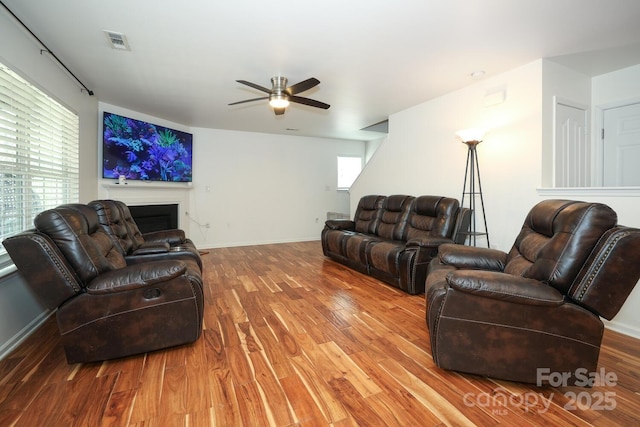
{"x": 472, "y": 173}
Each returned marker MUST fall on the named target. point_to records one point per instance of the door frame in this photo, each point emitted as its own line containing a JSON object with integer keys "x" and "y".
{"x": 572, "y": 104}
{"x": 598, "y": 141}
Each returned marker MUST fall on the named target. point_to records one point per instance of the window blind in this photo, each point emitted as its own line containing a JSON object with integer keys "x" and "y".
{"x": 39, "y": 161}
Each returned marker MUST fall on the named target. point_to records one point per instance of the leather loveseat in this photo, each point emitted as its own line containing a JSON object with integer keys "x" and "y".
{"x": 393, "y": 238}
{"x": 116, "y": 220}
{"x": 105, "y": 308}
{"x": 533, "y": 312}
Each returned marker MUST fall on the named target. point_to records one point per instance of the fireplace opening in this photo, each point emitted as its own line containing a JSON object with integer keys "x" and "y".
{"x": 155, "y": 217}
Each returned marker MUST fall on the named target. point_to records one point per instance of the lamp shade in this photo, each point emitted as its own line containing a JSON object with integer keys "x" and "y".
{"x": 473, "y": 134}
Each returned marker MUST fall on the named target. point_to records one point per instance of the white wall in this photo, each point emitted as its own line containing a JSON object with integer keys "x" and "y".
{"x": 372, "y": 146}
{"x": 617, "y": 86}
{"x": 19, "y": 311}
{"x": 421, "y": 154}
{"x": 255, "y": 188}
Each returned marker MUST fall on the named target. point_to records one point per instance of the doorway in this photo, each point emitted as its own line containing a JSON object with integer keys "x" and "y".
{"x": 621, "y": 146}
{"x": 572, "y": 153}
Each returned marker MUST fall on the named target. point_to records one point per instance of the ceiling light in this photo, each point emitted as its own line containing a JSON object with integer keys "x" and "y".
{"x": 478, "y": 74}
{"x": 279, "y": 100}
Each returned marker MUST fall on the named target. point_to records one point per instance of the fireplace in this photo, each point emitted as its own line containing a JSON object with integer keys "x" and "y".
{"x": 154, "y": 195}
{"x": 155, "y": 217}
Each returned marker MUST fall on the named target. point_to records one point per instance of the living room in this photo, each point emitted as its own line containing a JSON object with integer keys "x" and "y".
{"x": 260, "y": 175}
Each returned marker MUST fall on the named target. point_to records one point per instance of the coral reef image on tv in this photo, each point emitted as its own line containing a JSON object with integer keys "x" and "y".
{"x": 144, "y": 151}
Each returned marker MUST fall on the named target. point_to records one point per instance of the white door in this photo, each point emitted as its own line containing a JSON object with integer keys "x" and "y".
{"x": 571, "y": 152}
{"x": 621, "y": 146}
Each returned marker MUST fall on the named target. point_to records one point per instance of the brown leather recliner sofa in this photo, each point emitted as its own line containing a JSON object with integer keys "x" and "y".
{"x": 533, "y": 313}
{"x": 105, "y": 308}
{"x": 393, "y": 238}
{"x": 116, "y": 220}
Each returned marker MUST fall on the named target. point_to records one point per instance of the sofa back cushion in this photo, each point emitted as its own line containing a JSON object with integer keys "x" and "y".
{"x": 432, "y": 216}
{"x": 75, "y": 230}
{"x": 134, "y": 232}
{"x": 368, "y": 214}
{"x": 393, "y": 217}
{"x": 112, "y": 223}
{"x": 556, "y": 240}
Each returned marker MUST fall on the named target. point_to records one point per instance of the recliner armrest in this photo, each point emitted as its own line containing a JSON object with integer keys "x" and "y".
{"x": 340, "y": 224}
{"x": 428, "y": 242}
{"x": 136, "y": 276}
{"x": 152, "y": 248}
{"x": 506, "y": 287}
{"x": 472, "y": 258}
{"x": 173, "y": 236}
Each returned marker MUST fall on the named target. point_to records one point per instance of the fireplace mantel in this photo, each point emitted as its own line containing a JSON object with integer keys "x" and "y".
{"x": 144, "y": 184}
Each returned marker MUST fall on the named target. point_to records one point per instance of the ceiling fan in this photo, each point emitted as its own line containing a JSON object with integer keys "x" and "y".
{"x": 280, "y": 95}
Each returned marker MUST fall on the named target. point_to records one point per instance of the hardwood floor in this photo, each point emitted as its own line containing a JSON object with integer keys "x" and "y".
{"x": 291, "y": 338}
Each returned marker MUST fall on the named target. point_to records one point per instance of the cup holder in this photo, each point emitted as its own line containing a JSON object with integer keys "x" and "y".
{"x": 151, "y": 293}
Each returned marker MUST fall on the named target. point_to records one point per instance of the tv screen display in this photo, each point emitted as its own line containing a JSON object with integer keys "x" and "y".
{"x": 143, "y": 151}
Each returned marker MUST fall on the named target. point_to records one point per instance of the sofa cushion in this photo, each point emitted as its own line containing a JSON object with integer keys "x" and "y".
{"x": 384, "y": 256}
{"x": 431, "y": 216}
{"x": 393, "y": 217}
{"x": 368, "y": 213}
{"x": 74, "y": 228}
{"x": 355, "y": 246}
{"x": 556, "y": 239}
{"x": 110, "y": 218}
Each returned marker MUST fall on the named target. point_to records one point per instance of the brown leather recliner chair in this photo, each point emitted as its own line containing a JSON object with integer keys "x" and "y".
{"x": 105, "y": 309}
{"x": 535, "y": 311}
{"x": 116, "y": 220}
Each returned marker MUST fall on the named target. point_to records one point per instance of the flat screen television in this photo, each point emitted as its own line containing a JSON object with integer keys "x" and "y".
{"x": 144, "y": 151}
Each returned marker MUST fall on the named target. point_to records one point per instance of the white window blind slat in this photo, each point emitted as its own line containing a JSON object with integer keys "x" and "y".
{"x": 39, "y": 155}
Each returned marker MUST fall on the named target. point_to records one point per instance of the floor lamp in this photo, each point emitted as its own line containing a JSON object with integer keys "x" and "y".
{"x": 472, "y": 184}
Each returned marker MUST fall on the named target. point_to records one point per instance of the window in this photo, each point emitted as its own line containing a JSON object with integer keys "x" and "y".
{"x": 38, "y": 155}
{"x": 348, "y": 170}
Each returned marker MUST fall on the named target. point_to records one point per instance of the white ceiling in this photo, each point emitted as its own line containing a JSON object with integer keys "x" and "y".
{"x": 373, "y": 57}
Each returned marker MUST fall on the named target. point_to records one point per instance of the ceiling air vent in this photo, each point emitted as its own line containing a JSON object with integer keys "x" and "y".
{"x": 117, "y": 40}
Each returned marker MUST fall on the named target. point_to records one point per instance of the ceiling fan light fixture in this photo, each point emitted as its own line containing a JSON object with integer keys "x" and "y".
{"x": 280, "y": 95}
{"x": 279, "y": 100}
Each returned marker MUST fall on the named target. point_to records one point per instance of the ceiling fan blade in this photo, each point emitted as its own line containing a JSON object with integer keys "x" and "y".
{"x": 255, "y": 86}
{"x": 302, "y": 86}
{"x": 249, "y": 100}
{"x": 279, "y": 111}
{"x": 310, "y": 102}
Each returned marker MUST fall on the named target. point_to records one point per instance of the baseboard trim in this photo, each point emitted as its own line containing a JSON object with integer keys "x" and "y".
{"x": 632, "y": 331}
{"x": 23, "y": 334}
{"x": 254, "y": 243}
